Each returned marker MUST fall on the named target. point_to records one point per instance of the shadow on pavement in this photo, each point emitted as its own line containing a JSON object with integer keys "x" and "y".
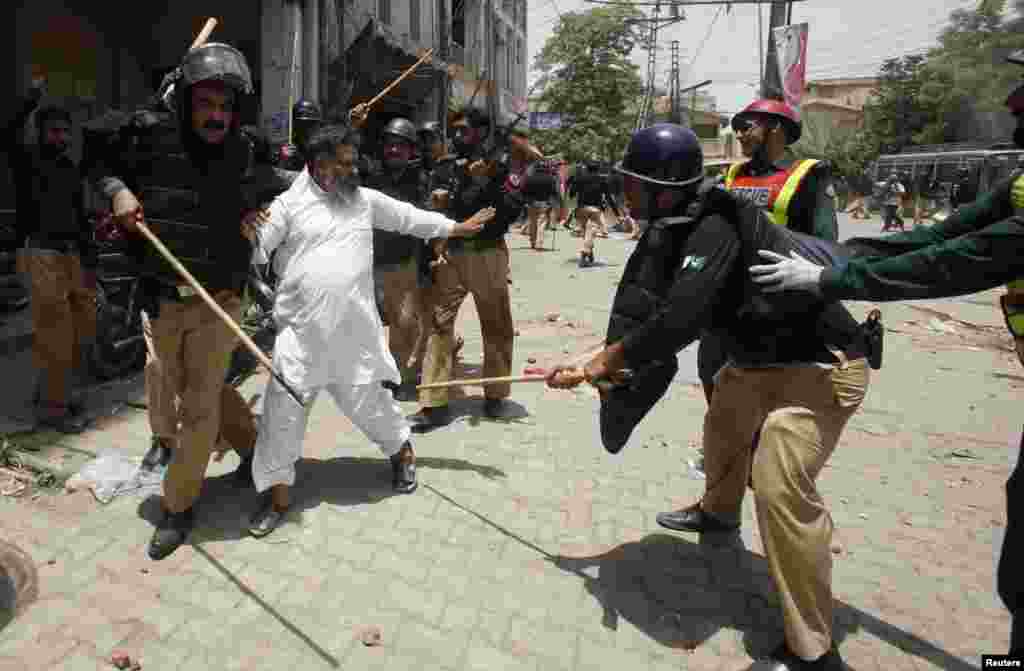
{"x": 680, "y": 593}
{"x": 225, "y": 508}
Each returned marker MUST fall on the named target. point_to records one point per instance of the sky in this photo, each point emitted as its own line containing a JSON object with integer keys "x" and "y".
{"x": 846, "y": 38}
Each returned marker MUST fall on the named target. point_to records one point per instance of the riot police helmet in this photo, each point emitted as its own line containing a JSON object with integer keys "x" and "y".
{"x": 664, "y": 154}
{"x": 402, "y": 128}
{"x": 215, "y": 61}
{"x": 429, "y": 129}
{"x": 306, "y": 110}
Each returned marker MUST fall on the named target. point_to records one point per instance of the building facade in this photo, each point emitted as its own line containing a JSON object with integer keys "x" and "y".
{"x": 838, "y": 102}
{"x": 99, "y": 56}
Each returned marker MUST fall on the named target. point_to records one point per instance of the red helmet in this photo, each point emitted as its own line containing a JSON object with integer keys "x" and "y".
{"x": 789, "y": 117}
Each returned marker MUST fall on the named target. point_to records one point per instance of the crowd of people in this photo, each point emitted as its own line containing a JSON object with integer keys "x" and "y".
{"x": 375, "y": 255}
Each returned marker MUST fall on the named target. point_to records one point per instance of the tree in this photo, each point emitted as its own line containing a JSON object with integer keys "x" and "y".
{"x": 591, "y": 79}
{"x": 966, "y": 79}
{"x": 898, "y": 116}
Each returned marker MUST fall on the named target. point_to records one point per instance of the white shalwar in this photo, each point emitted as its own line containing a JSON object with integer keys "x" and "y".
{"x": 329, "y": 330}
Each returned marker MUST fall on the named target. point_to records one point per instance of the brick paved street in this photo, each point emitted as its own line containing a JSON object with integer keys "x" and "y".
{"x": 527, "y": 547}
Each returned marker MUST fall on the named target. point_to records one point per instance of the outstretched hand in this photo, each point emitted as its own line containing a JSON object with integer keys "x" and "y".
{"x": 793, "y": 273}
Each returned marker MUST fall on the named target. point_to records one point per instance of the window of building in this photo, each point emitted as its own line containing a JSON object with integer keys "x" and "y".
{"x": 414, "y": 19}
{"x": 384, "y": 11}
{"x": 459, "y": 22}
{"x": 519, "y": 52}
{"x": 510, "y": 44}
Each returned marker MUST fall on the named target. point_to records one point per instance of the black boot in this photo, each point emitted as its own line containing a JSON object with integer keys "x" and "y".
{"x": 158, "y": 455}
{"x": 830, "y": 661}
{"x": 172, "y": 531}
{"x": 403, "y": 470}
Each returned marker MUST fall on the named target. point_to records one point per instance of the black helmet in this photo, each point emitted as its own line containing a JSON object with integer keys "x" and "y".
{"x": 429, "y": 128}
{"x": 403, "y": 128}
{"x": 306, "y": 110}
{"x": 666, "y": 154}
{"x": 219, "y": 62}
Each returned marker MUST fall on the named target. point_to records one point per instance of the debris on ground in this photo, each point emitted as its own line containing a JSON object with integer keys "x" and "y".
{"x": 552, "y": 316}
{"x": 370, "y": 636}
{"x": 121, "y": 660}
{"x": 963, "y": 454}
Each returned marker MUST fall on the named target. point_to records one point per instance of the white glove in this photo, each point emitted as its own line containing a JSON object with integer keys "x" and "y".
{"x": 787, "y": 274}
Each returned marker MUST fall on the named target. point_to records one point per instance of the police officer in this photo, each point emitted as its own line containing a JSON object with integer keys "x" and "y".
{"x": 979, "y": 247}
{"x": 478, "y": 266}
{"x": 593, "y": 194}
{"x": 58, "y": 258}
{"x": 795, "y": 194}
{"x": 431, "y": 144}
{"x": 306, "y": 117}
{"x": 400, "y": 262}
{"x": 189, "y": 166}
{"x": 687, "y": 272}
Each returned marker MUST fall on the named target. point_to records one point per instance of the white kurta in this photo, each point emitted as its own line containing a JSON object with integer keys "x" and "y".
{"x": 330, "y": 334}
{"x": 329, "y": 327}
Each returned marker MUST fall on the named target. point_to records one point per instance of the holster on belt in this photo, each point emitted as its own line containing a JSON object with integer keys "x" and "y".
{"x": 873, "y": 333}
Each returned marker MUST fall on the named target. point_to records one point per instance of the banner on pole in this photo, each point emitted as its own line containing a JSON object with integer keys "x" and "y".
{"x": 791, "y": 57}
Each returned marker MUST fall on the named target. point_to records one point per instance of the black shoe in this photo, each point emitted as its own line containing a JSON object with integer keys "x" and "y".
{"x": 172, "y": 531}
{"x": 693, "y": 519}
{"x": 586, "y": 260}
{"x": 243, "y": 474}
{"x": 493, "y": 407}
{"x": 158, "y": 455}
{"x": 830, "y": 661}
{"x": 428, "y": 419}
{"x": 403, "y": 471}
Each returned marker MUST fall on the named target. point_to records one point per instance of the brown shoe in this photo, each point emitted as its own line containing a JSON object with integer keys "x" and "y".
{"x": 403, "y": 470}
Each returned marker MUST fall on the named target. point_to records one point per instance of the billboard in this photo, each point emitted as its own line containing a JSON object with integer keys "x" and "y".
{"x": 791, "y": 58}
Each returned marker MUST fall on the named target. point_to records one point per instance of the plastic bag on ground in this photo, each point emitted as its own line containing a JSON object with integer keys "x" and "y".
{"x": 112, "y": 474}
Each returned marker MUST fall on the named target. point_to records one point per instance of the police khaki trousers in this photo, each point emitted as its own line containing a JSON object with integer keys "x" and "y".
{"x": 538, "y": 218}
{"x": 191, "y": 350}
{"x": 63, "y": 317}
{"x": 484, "y": 274}
{"x": 237, "y": 423}
{"x": 590, "y": 221}
{"x": 801, "y": 411}
{"x": 404, "y": 311}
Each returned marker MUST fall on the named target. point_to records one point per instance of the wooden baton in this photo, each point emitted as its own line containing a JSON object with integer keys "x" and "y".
{"x": 387, "y": 89}
{"x": 217, "y": 310}
{"x": 204, "y": 34}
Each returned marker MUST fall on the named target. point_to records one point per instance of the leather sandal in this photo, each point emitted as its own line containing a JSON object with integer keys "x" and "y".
{"x": 266, "y": 520}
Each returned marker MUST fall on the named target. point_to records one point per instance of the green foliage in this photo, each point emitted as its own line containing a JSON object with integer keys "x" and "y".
{"x": 590, "y": 77}
{"x": 924, "y": 99}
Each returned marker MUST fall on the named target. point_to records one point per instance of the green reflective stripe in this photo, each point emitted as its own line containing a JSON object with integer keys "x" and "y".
{"x": 1016, "y": 322}
{"x": 730, "y": 176}
{"x": 1017, "y": 193}
{"x": 1016, "y": 286}
{"x": 781, "y": 207}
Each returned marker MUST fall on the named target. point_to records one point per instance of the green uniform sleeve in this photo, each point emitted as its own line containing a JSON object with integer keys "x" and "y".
{"x": 813, "y": 210}
{"x": 982, "y": 259}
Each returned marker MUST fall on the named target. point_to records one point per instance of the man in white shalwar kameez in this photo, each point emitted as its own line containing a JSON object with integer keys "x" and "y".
{"x": 329, "y": 331}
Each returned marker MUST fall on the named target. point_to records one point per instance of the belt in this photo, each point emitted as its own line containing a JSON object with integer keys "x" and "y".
{"x": 394, "y": 265}
{"x": 474, "y": 244}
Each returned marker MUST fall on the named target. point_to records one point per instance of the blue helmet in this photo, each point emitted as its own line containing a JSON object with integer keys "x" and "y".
{"x": 666, "y": 154}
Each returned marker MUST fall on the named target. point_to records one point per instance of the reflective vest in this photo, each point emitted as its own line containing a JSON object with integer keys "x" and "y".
{"x": 773, "y": 192}
{"x": 1017, "y": 286}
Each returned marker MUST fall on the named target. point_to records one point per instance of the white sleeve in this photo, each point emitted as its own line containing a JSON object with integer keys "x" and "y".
{"x": 273, "y": 232}
{"x": 391, "y": 214}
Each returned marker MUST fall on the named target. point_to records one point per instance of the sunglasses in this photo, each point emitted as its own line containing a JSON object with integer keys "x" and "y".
{"x": 1013, "y": 311}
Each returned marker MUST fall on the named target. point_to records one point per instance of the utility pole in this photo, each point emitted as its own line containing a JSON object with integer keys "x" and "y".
{"x": 673, "y": 85}
{"x": 771, "y": 84}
